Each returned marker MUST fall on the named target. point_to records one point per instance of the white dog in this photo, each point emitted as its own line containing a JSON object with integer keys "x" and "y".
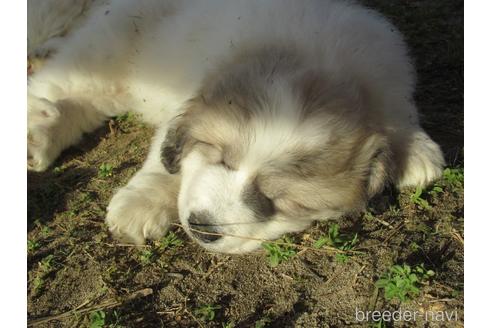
{"x": 270, "y": 114}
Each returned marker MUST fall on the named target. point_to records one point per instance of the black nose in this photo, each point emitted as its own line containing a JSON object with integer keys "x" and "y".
{"x": 202, "y": 227}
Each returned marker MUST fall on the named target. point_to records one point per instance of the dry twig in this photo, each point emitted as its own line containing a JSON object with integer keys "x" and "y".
{"x": 82, "y": 308}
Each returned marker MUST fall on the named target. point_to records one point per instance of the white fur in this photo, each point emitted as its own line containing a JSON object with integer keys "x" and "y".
{"x": 152, "y": 56}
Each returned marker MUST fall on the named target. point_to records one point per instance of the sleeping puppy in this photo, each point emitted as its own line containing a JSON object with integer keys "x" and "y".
{"x": 269, "y": 114}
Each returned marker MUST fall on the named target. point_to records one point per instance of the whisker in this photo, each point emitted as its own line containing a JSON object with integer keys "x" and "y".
{"x": 231, "y": 223}
{"x": 323, "y": 250}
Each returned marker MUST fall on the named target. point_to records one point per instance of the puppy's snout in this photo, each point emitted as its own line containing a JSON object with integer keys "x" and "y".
{"x": 202, "y": 226}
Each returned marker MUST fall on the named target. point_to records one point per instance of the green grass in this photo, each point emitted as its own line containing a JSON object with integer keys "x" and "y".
{"x": 45, "y": 267}
{"x": 46, "y": 264}
{"x": 59, "y": 169}
{"x": 45, "y": 230}
{"x": 262, "y": 323}
{"x": 128, "y": 117}
{"x": 417, "y": 199}
{"x": 207, "y": 312}
{"x": 99, "y": 319}
{"x": 280, "y": 251}
{"x": 105, "y": 170}
{"x": 452, "y": 179}
{"x": 337, "y": 240}
{"x": 38, "y": 283}
{"x": 126, "y": 121}
{"x": 32, "y": 245}
{"x": 403, "y": 282}
{"x": 378, "y": 324}
{"x": 147, "y": 256}
{"x": 169, "y": 241}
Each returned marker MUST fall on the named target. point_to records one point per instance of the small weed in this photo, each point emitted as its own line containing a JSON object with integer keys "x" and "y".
{"x": 59, "y": 169}
{"x": 170, "y": 241}
{"x": 45, "y": 267}
{"x": 72, "y": 213}
{"x": 126, "y": 121}
{"x": 32, "y": 245}
{"x": 46, "y": 264}
{"x": 97, "y": 319}
{"x": 38, "y": 283}
{"x": 417, "y": 199}
{"x": 146, "y": 256}
{"x": 105, "y": 170}
{"x": 45, "y": 230}
{"x": 277, "y": 252}
{"x": 100, "y": 237}
{"x": 334, "y": 239}
{"x": 414, "y": 246}
{"x": 207, "y": 312}
{"x": 369, "y": 216}
{"x": 378, "y": 324}
{"x": 455, "y": 293}
{"x": 454, "y": 178}
{"x": 261, "y": 323}
{"x": 110, "y": 272}
{"x": 436, "y": 190}
{"x": 393, "y": 210}
{"x": 403, "y": 282}
{"x": 341, "y": 258}
{"x": 228, "y": 325}
{"x": 128, "y": 116}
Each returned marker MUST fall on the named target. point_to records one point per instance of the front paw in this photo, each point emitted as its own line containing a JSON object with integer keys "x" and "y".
{"x": 43, "y": 141}
{"x": 133, "y": 217}
{"x": 424, "y": 162}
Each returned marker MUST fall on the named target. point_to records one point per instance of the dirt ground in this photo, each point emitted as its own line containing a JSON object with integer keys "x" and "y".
{"x": 78, "y": 276}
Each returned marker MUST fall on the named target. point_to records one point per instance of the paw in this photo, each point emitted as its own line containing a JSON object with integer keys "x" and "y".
{"x": 42, "y": 146}
{"x": 133, "y": 217}
{"x": 424, "y": 162}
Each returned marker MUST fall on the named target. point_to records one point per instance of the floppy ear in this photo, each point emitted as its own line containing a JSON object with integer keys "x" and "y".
{"x": 172, "y": 147}
{"x": 380, "y": 166}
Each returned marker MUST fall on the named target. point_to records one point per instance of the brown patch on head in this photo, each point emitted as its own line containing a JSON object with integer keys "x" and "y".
{"x": 337, "y": 179}
{"x": 335, "y": 159}
{"x": 349, "y": 165}
{"x": 173, "y": 146}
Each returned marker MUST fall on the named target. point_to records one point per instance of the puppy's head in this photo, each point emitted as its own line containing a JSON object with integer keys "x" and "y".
{"x": 262, "y": 154}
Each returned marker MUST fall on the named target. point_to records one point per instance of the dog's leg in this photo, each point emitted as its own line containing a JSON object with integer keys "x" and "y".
{"x": 57, "y": 119}
{"x": 419, "y": 160}
{"x": 145, "y": 207}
